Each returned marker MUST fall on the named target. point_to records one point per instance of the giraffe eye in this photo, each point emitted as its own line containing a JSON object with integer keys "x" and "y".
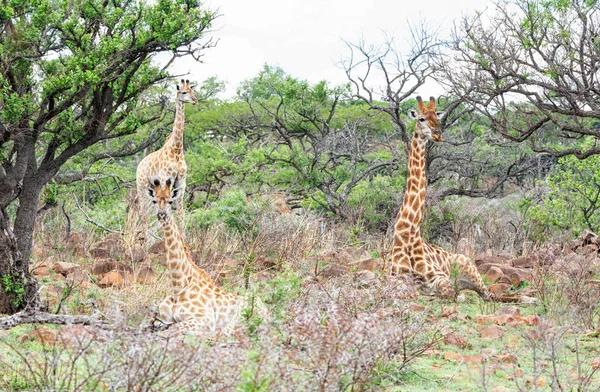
{"x": 422, "y": 120}
{"x": 168, "y": 181}
{"x": 156, "y": 182}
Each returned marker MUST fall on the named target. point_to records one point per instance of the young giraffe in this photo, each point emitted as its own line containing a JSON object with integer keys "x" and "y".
{"x": 411, "y": 254}
{"x": 166, "y": 167}
{"x": 196, "y": 305}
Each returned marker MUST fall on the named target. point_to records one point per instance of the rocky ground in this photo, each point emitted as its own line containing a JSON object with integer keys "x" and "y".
{"x": 339, "y": 322}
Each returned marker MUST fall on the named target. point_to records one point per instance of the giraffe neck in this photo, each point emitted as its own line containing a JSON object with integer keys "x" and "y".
{"x": 180, "y": 266}
{"x": 175, "y": 142}
{"x": 409, "y": 217}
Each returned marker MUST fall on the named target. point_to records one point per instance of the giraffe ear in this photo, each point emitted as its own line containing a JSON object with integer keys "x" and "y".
{"x": 440, "y": 114}
{"x": 413, "y": 114}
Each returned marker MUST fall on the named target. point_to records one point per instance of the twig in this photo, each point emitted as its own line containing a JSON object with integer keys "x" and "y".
{"x": 87, "y": 218}
{"x": 68, "y": 223}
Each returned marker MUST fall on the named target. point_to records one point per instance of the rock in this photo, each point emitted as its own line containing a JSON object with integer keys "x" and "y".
{"x": 78, "y": 278}
{"x": 588, "y": 237}
{"x": 365, "y": 264}
{"x": 451, "y": 356}
{"x": 116, "y": 237}
{"x": 365, "y": 277}
{"x": 492, "y": 332}
{"x": 516, "y": 275}
{"x": 575, "y": 244}
{"x": 65, "y": 268}
{"x": 416, "y": 308}
{"x": 525, "y": 262}
{"x": 113, "y": 278}
{"x": 505, "y": 358}
{"x": 262, "y": 263}
{"x": 595, "y": 364}
{"x": 334, "y": 270}
{"x": 43, "y": 335}
{"x": 480, "y": 260}
{"x": 499, "y": 288}
{"x": 146, "y": 274}
{"x": 98, "y": 250}
{"x": 509, "y": 315}
{"x": 589, "y": 249}
{"x": 454, "y": 339}
{"x": 107, "y": 248}
{"x": 102, "y": 267}
{"x": 494, "y": 274}
{"x": 41, "y": 271}
{"x": 136, "y": 253}
{"x": 76, "y": 244}
{"x": 157, "y": 248}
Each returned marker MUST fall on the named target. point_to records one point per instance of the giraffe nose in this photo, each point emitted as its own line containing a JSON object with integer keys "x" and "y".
{"x": 162, "y": 215}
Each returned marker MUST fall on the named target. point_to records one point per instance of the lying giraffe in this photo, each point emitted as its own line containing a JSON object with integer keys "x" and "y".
{"x": 166, "y": 167}
{"x": 411, "y": 254}
{"x": 196, "y": 305}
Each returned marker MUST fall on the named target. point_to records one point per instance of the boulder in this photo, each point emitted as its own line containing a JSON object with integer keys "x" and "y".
{"x": 525, "y": 262}
{"x": 76, "y": 244}
{"x": 499, "y": 288}
{"x": 494, "y": 274}
{"x": 589, "y": 249}
{"x": 588, "y": 237}
{"x": 107, "y": 248}
{"x": 65, "y": 268}
{"x": 146, "y": 274}
{"x": 334, "y": 270}
{"x": 113, "y": 278}
{"x": 365, "y": 277}
{"x": 575, "y": 244}
{"x": 136, "y": 253}
{"x": 102, "y": 267}
{"x": 157, "y": 248}
{"x": 485, "y": 259}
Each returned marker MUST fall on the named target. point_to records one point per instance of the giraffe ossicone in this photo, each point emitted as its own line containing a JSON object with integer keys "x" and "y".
{"x": 437, "y": 269}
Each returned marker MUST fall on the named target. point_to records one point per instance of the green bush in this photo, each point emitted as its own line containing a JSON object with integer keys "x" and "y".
{"x": 231, "y": 209}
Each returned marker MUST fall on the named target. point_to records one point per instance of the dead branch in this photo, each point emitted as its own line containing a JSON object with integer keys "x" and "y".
{"x": 30, "y": 316}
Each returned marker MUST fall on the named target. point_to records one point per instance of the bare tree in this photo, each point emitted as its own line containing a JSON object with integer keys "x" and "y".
{"x": 470, "y": 162}
{"x": 532, "y": 68}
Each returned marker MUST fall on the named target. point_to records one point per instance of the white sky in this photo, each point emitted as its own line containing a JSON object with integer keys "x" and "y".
{"x": 305, "y": 37}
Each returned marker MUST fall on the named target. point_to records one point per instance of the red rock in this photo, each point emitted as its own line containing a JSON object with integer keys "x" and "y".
{"x": 65, "y": 268}
{"x": 101, "y": 267}
{"x": 146, "y": 275}
{"x": 157, "y": 248}
{"x": 43, "y": 335}
{"x": 595, "y": 364}
{"x": 113, "y": 278}
{"x": 454, "y": 339}
{"x": 492, "y": 332}
{"x": 499, "y": 288}
{"x": 334, "y": 270}
{"x": 506, "y": 358}
{"x": 494, "y": 274}
{"x": 136, "y": 253}
{"x": 525, "y": 262}
{"x": 450, "y": 356}
{"x": 416, "y": 308}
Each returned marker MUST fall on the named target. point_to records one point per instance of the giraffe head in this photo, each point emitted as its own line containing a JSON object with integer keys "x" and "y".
{"x": 427, "y": 119}
{"x": 163, "y": 194}
{"x": 185, "y": 93}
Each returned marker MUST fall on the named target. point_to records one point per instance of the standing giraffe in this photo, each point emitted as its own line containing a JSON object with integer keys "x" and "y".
{"x": 196, "y": 305}
{"x": 166, "y": 167}
{"x": 411, "y": 254}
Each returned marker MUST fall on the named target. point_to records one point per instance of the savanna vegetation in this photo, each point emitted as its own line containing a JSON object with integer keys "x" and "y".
{"x": 292, "y": 192}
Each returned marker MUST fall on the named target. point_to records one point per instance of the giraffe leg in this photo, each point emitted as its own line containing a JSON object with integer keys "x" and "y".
{"x": 468, "y": 277}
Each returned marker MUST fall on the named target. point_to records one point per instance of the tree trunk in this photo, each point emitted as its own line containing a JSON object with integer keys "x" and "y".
{"x": 18, "y": 289}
